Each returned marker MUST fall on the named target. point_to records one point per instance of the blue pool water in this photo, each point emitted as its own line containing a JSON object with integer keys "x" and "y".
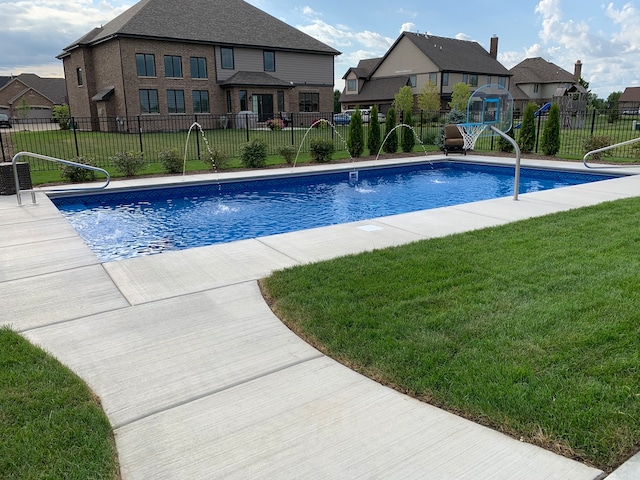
{"x": 127, "y": 224}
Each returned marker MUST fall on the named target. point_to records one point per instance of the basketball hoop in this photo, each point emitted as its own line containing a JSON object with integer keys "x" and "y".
{"x": 470, "y": 133}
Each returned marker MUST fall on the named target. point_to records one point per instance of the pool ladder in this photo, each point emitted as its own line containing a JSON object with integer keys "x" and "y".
{"x": 55, "y": 160}
{"x": 604, "y": 149}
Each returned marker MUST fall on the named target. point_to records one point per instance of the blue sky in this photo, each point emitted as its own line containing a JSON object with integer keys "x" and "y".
{"x": 604, "y": 36}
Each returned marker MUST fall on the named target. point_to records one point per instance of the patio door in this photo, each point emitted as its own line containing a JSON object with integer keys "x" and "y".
{"x": 263, "y": 106}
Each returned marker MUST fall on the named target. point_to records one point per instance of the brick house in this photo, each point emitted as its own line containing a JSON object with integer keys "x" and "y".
{"x": 415, "y": 59}
{"x": 40, "y": 94}
{"x": 208, "y": 58}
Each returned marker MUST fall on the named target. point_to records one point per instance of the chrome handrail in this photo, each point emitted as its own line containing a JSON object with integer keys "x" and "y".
{"x": 516, "y": 182}
{"x": 604, "y": 149}
{"x": 56, "y": 160}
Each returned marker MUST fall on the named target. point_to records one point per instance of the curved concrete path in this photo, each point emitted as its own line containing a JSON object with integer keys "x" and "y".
{"x": 200, "y": 380}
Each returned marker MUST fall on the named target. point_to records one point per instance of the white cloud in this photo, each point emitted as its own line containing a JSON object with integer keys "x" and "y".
{"x": 308, "y": 11}
{"x": 374, "y": 40}
{"x": 327, "y": 33}
{"x": 408, "y": 27}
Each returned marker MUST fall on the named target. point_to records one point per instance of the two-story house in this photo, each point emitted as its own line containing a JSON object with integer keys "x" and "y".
{"x": 416, "y": 59}
{"x": 196, "y": 57}
{"x": 538, "y": 81}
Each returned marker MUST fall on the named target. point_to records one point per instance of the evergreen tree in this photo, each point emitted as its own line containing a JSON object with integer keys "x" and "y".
{"x": 504, "y": 145}
{"x": 391, "y": 143}
{"x": 373, "y": 141}
{"x": 408, "y": 135}
{"x": 527, "y": 138}
{"x": 551, "y": 132}
{"x": 355, "y": 137}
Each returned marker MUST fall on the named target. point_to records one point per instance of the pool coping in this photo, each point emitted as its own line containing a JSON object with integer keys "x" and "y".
{"x": 113, "y": 323}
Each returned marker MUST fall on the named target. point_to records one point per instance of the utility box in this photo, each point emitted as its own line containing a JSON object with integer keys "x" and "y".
{"x": 7, "y": 181}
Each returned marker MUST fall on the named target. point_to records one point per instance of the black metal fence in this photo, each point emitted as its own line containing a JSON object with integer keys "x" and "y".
{"x": 194, "y": 136}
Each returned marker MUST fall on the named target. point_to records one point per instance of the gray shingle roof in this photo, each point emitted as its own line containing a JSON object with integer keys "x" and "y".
{"x": 377, "y": 89}
{"x": 538, "y": 70}
{"x": 55, "y": 89}
{"x": 221, "y": 22}
{"x": 452, "y": 55}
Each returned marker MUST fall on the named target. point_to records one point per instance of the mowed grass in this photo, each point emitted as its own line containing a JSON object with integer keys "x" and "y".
{"x": 532, "y": 328}
{"x": 51, "y": 426}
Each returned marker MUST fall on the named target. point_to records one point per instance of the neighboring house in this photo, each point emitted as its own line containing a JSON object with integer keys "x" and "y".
{"x": 415, "y": 59}
{"x": 209, "y": 58}
{"x": 629, "y": 102}
{"x": 538, "y": 81}
{"x": 41, "y": 95}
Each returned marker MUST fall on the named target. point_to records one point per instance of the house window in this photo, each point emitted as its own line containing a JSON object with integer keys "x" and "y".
{"x": 351, "y": 85}
{"x": 536, "y": 87}
{"x": 149, "y": 101}
{"x": 229, "y": 104}
{"x": 146, "y": 64}
{"x": 226, "y": 58}
{"x": 175, "y": 101}
{"x": 280, "y": 101}
{"x": 489, "y": 80}
{"x": 200, "y": 101}
{"x": 433, "y": 78}
{"x": 465, "y": 78}
{"x": 445, "y": 78}
{"x": 473, "y": 80}
{"x": 172, "y": 66}
{"x": 413, "y": 80}
{"x": 502, "y": 81}
{"x": 309, "y": 102}
{"x": 198, "y": 67}
{"x": 243, "y": 100}
{"x": 269, "y": 58}
{"x": 79, "y": 77}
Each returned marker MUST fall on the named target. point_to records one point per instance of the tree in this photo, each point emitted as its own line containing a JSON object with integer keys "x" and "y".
{"x": 460, "y": 97}
{"x": 23, "y": 109}
{"x": 403, "y": 101}
{"x": 61, "y": 115}
{"x": 527, "y": 138}
{"x": 408, "y": 134}
{"x": 613, "y": 100}
{"x": 355, "y": 137}
{"x": 429, "y": 98}
{"x": 336, "y": 101}
{"x": 373, "y": 141}
{"x": 391, "y": 143}
{"x": 551, "y": 132}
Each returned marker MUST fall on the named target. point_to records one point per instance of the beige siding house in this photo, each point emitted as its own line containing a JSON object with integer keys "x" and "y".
{"x": 415, "y": 60}
{"x": 196, "y": 57}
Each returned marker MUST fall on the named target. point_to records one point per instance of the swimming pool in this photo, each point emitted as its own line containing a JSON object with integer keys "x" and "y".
{"x": 125, "y": 224}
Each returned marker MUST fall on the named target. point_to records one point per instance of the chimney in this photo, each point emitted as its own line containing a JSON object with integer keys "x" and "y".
{"x": 577, "y": 72}
{"x": 493, "y": 49}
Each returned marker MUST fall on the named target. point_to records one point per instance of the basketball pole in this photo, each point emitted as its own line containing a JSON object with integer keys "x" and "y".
{"x": 516, "y": 186}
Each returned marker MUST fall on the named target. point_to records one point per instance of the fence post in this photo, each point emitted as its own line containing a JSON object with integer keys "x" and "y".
{"x": 140, "y": 135}
{"x": 421, "y": 126}
{"x": 4, "y": 159}
{"x": 538, "y": 133}
{"x": 198, "y": 133}
{"x": 593, "y": 121}
{"x": 293, "y": 143}
{"x": 74, "y": 126}
{"x": 246, "y": 121}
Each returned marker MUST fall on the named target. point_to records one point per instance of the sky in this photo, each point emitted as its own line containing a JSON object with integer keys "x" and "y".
{"x": 604, "y": 36}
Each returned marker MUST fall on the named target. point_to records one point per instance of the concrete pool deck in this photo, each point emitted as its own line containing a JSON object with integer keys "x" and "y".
{"x": 200, "y": 380}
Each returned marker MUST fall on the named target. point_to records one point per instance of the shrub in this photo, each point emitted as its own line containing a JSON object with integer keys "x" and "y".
{"x": 171, "y": 161}
{"x": 527, "y": 138}
{"x": 355, "y": 137}
{"x": 321, "y": 149}
{"x": 217, "y": 159}
{"x": 254, "y": 154}
{"x": 551, "y": 133}
{"x": 598, "y": 141}
{"x": 78, "y": 174}
{"x": 275, "y": 124}
{"x": 429, "y": 138}
{"x": 408, "y": 134}
{"x": 505, "y": 145}
{"x": 128, "y": 163}
{"x": 373, "y": 141}
{"x": 61, "y": 115}
{"x": 391, "y": 142}
{"x": 287, "y": 152}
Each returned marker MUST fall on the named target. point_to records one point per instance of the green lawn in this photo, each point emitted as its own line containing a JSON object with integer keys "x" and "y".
{"x": 51, "y": 425}
{"x": 532, "y": 328}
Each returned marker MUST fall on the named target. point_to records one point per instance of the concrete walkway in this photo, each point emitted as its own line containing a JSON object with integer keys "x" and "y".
{"x": 201, "y": 380}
